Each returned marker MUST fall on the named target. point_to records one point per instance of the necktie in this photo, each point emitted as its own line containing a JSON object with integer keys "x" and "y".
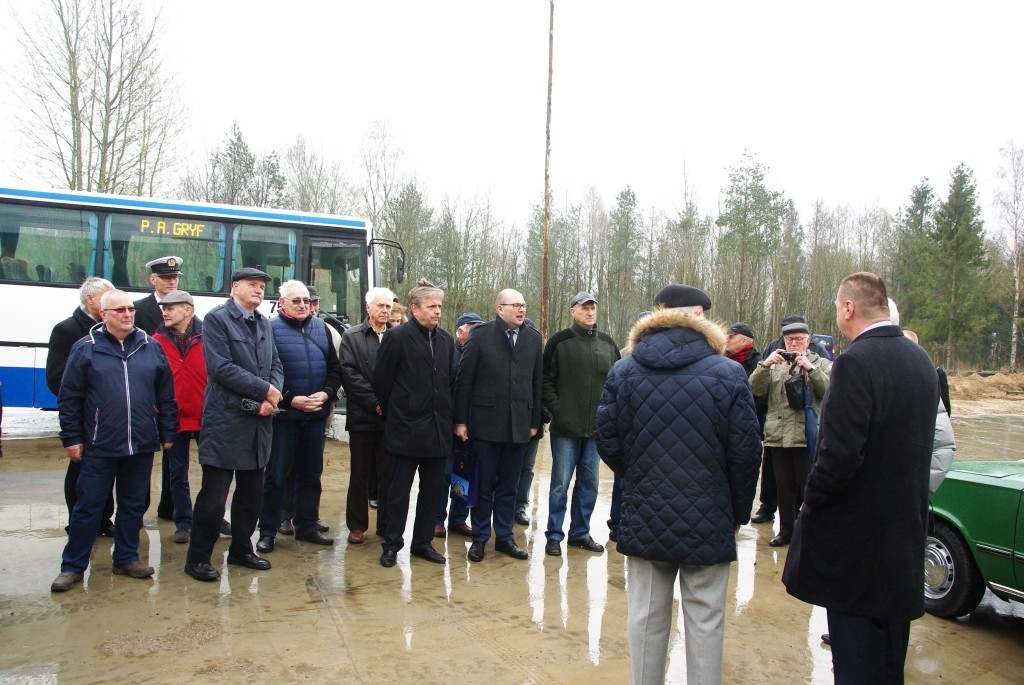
{"x": 511, "y": 338}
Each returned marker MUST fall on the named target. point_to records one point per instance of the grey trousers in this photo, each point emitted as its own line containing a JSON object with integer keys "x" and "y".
{"x": 650, "y": 586}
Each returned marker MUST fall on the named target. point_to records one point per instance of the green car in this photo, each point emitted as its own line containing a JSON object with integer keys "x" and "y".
{"x": 978, "y": 538}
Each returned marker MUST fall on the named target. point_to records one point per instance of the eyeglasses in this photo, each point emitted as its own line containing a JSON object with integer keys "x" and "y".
{"x": 300, "y": 300}
{"x": 797, "y": 339}
{"x": 514, "y": 305}
{"x": 121, "y": 310}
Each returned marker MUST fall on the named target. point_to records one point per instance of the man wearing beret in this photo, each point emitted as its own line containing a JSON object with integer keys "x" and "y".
{"x": 676, "y": 421}
{"x": 164, "y": 273}
{"x": 576, "y": 363}
{"x": 244, "y": 381}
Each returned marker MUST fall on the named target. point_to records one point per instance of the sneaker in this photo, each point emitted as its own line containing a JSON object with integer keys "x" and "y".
{"x": 182, "y": 535}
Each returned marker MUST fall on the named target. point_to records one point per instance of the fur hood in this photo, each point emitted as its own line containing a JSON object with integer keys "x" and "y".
{"x": 662, "y": 319}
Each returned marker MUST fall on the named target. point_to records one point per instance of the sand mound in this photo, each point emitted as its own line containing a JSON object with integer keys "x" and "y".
{"x": 975, "y": 387}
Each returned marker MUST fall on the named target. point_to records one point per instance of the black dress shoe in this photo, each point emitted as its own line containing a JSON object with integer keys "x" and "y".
{"x": 510, "y": 548}
{"x": 762, "y": 517}
{"x": 588, "y": 543}
{"x": 522, "y": 519}
{"x": 201, "y": 571}
{"x": 553, "y": 548}
{"x": 826, "y": 639}
{"x": 225, "y": 528}
{"x": 428, "y": 553}
{"x": 476, "y": 551}
{"x": 779, "y": 541}
{"x": 322, "y": 526}
{"x": 249, "y": 560}
{"x": 388, "y": 558}
{"x": 107, "y": 529}
{"x": 265, "y": 544}
{"x": 316, "y": 537}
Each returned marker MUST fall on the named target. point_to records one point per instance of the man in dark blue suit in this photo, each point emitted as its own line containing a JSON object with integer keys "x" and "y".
{"x": 498, "y": 405}
{"x": 858, "y": 545}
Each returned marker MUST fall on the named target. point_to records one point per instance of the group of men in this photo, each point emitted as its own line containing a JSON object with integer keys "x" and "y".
{"x": 675, "y": 420}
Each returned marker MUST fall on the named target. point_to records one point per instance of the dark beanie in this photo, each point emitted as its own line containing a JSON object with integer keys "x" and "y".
{"x": 679, "y": 295}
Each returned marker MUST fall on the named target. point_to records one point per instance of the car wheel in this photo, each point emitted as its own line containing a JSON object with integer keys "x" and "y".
{"x": 953, "y": 585}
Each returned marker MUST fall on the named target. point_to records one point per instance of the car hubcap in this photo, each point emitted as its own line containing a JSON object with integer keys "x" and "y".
{"x": 938, "y": 569}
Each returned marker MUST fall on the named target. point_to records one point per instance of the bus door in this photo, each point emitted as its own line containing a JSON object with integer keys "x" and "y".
{"x": 337, "y": 269}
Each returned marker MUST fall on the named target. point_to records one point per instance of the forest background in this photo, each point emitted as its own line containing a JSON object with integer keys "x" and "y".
{"x": 100, "y": 113}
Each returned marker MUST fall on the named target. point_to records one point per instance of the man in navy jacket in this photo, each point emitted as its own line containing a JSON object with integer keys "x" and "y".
{"x": 117, "y": 408}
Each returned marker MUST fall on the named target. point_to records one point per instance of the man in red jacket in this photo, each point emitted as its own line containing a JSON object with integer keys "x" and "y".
{"x": 182, "y": 339}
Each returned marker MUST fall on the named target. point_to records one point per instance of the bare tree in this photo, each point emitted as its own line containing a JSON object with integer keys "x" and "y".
{"x": 543, "y": 323}
{"x": 102, "y": 113}
{"x": 380, "y": 164}
{"x": 312, "y": 183}
{"x": 1010, "y": 203}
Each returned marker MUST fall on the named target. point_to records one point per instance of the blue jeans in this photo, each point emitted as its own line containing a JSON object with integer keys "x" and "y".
{"x": 94, "y": 482}
{"x": 568, "y": 455}
{"x": 459, "y": 510}
{"x": 500, "y": 464}
{"x": 300, "y": 443}
{"x": 178, "y": 462}
{"x": 526, "y": 475}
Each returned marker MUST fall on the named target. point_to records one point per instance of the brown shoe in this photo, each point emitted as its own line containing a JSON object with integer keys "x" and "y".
{"x": 439, "y": 531}
{"x": 461, "y": 529}
{"x": 355, "y": 537}
{"x": 136, "y": 569}
{"x": 65, "y": 581}
{"x": 286, "y": 527}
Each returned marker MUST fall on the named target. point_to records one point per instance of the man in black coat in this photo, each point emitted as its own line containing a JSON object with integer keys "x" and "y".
{"x": 164, "y": 275}
{"x": 62, "y": 337}
{"x": 498, "y": 405}
{"x": 860, "y": 538}
{"x": 412, "y": 377}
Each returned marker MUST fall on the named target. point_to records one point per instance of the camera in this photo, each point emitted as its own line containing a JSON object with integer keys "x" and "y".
{"x": 789, "y": 356}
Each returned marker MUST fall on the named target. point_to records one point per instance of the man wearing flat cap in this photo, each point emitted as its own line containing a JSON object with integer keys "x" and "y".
{"x": 164, "y": 273}
{"x": 785, "y": 428}
{"x": 576, "y": 363}
{"x": 676, "y": 422}
{"x": 244, "y": 381}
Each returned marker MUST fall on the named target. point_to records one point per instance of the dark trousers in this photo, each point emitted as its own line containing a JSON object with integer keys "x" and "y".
{"x": 367, "y": 455}
{"x": 500, "y": 465}
{"x": 615, "y": 511}
{"x": 526, "y": 475}
{"x": 71, "y": 493}
{"x": 180, "y": 493}
{"x": 165, "y": 508}
{"x": 867, "y": 651}
{"x": 298, "y": 444}
{"x": 791, "y": 470}
{"x": 403, "y": 470}
{"x": 769, "y": 496}
{"x": 209, "y": 511}
{"x": 98, "y": 476}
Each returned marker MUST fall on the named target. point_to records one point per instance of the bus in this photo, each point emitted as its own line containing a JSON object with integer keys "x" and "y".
{"x": 50, "y": 241}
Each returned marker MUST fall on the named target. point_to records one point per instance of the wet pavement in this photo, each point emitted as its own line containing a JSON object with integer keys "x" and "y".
{"x": 335, "y": 615}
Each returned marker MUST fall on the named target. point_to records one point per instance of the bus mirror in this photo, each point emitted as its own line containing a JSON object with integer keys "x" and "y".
{"x": 400, "y": 268}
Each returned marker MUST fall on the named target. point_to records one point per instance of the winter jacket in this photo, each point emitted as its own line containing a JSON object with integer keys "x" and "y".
{"x": 943, "y": 450}
{"x": 189, "y": 374}
{"x": 412, "y": 377}
{"x": 785, "y": 426}
{"x": 117, "y": 399}
{"x": 576, "y": 364}
{"x": 309, "y": 362}
{"x": 240, "y": 365}
{"x": 62, "y": 337}
{"x": 677, "y": 423}
{"x": 358, "y": 351}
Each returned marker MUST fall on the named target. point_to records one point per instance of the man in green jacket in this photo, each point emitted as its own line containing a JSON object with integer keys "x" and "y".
{"x": 576, "y": 362}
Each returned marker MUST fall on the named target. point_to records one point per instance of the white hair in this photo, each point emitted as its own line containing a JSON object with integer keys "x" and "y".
{"x": 374, "y": 293}
{"x": 288, "y": 286}
{"x": 894, "y": 314}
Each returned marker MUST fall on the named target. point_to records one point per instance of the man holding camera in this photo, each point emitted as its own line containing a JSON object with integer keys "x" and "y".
{"x": 785, "y": 429}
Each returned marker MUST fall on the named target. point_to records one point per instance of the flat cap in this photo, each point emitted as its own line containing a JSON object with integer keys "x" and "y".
{"x": 313, "y": 294}
{"x": 249, "y": 272}
{"x": 678, "y": 295}
{"x": 792, "y": 318}
{"x": 468, "y": 317}
{"x": 165, "y": 266}
{"x": 740, "y": 328}
{"x": 581, "y": 298}
{"x": 177, "y": 297}
{"x": 796, "y": 327}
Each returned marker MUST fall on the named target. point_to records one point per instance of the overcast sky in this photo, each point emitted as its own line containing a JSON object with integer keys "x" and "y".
{"x": 849, "y": 103}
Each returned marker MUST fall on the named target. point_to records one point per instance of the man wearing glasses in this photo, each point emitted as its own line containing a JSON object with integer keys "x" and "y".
{"x": 785, "y": 428}
{"x": 498, "y": 407}
{"x": 312, "y": 378}
{"x": 117, "y": 408}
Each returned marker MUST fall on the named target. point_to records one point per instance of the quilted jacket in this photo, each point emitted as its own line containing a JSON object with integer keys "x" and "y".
{"x": 677, "y": 423}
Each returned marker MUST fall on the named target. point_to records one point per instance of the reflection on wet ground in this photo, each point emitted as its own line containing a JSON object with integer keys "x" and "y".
{"x": 334, "y": 615}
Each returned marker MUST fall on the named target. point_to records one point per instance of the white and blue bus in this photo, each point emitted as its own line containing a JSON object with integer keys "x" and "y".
{"x": 50, "y": 241}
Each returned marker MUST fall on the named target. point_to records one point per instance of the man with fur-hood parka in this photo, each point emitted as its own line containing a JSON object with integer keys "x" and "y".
{"x": 677, "y": 423}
